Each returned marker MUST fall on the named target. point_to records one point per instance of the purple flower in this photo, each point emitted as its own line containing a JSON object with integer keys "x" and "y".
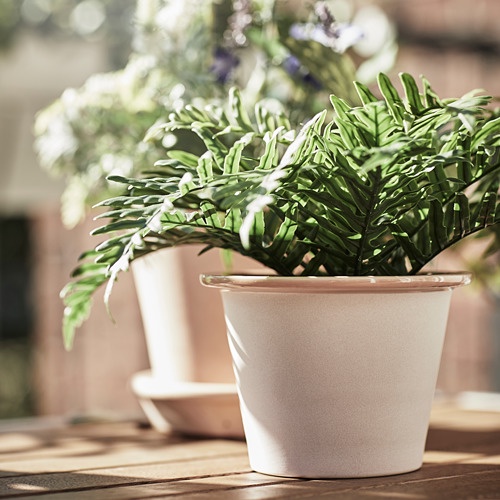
{"x": 292, "y": 65}
{"x": 294, "y": 68}
{"x": 338, "y": 36}
{"x": 224, "y": 64}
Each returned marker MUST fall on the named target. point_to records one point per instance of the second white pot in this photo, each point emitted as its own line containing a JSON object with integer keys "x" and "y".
{"x": 336, "y": 376}
{"x": 190, "y": 387}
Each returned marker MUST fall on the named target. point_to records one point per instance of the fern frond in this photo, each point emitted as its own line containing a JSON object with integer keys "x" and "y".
{"x": 381, "y": 189}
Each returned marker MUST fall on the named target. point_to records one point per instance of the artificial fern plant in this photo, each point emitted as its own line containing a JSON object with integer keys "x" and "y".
{"x": 380, "y": 189}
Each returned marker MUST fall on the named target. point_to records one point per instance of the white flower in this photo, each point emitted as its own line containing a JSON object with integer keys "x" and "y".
{"x": 176, "y": 17}
{"x": 146, "y": 11}
{"x": 338, "y": 39}
{"x": 116, "y": 164}
{"x": 99, "y": 85}
{"x": 57, "y": 142}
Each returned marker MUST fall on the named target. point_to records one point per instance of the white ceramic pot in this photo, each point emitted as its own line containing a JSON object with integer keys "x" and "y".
{"x": 183, "y": 321}
{"x": 190, "y": 387}
{"x": 336, "y": 376}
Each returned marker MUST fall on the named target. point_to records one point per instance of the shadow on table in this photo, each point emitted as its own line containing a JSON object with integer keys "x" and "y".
{"x": 449, "y": 476}
{"x": 457, "y": 440}
{"x": 97, "y": 438}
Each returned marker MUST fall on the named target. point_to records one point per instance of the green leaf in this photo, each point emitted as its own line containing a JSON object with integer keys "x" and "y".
{"x": 284, "y": 236}
{"x": 204, "y": 168}
{"x": 184, "y": 157}
{"x": 233, "y": 220}
{"x": 412, "y": 93}
{"x": 438, "y": 230}
{"x": 364, "y": 93}
{"x": 392, "y": 98}
{"x": 380, "y": 189}
{"x": 238, "y": 110}
{"x": 119, "y": 226}
{"x": 336, "y": 77}
{"x": 431, "y": 99}
{"x": 210, "y": 214}
{"x": 233, "y": 157}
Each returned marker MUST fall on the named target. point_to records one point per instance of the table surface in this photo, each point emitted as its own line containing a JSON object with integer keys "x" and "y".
{"x": 128, "y": 461}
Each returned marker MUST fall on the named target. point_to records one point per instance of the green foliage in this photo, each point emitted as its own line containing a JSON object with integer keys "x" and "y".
{"x": 381, "y": 189}
{"x": 184, "y": 51}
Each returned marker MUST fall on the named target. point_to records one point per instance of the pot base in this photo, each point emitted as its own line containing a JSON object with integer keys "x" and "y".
{"x": 329, "y": 476}
{"x": 193, "y": 408}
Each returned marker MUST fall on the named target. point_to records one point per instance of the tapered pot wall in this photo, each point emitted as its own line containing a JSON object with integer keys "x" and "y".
{"x": 336, "y": 385}
{"x": 190, "y": 387}
{"x": 183, "y": 321}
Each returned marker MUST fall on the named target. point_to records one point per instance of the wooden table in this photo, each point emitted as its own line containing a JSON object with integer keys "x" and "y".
{"x": 128, "y": 461}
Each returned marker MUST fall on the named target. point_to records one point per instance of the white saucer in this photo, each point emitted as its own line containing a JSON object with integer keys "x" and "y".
{"x": 197, "y": 408}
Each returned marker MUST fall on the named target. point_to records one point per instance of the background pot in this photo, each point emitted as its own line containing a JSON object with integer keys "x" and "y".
{"x": 190, "y": 387}
{"x": 336, "y": 376}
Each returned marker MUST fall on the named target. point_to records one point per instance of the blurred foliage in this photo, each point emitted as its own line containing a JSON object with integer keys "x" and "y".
{"x": 381, "y": 190}
{"x": 193, "y": 51}
{"x": 16, "y": 391}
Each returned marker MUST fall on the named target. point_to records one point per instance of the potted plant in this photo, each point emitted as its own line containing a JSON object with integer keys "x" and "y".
{"x": 270, "y": 50}
{"x": 336, "y": 350}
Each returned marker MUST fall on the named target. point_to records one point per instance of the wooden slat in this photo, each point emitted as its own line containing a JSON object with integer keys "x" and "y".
{"x": 248, "y": 485}
{"x": 143, "y": 474}
{"x": 190, "y": 487}
{"x": 77, "y": 458}
{"x": 123, "y": 461}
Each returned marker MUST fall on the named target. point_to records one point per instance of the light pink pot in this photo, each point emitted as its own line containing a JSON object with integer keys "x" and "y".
{"x": 336, "y": 375}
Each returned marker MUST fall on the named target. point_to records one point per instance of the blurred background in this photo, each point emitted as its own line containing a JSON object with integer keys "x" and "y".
{"x": 75, "y": 59}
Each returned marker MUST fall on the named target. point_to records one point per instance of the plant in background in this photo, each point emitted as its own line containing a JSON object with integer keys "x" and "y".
{"x": 381, "y": 189}
{"x": 196, "y": 50}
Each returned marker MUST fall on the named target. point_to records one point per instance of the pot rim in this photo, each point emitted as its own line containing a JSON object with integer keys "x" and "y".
{"x": 336, "y": 284}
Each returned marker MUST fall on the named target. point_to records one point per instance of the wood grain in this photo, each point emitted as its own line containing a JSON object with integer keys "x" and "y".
{"x": 126, "y": 461}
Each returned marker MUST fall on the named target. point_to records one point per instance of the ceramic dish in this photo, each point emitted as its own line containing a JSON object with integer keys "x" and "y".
{"x": 201, "y": 409}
